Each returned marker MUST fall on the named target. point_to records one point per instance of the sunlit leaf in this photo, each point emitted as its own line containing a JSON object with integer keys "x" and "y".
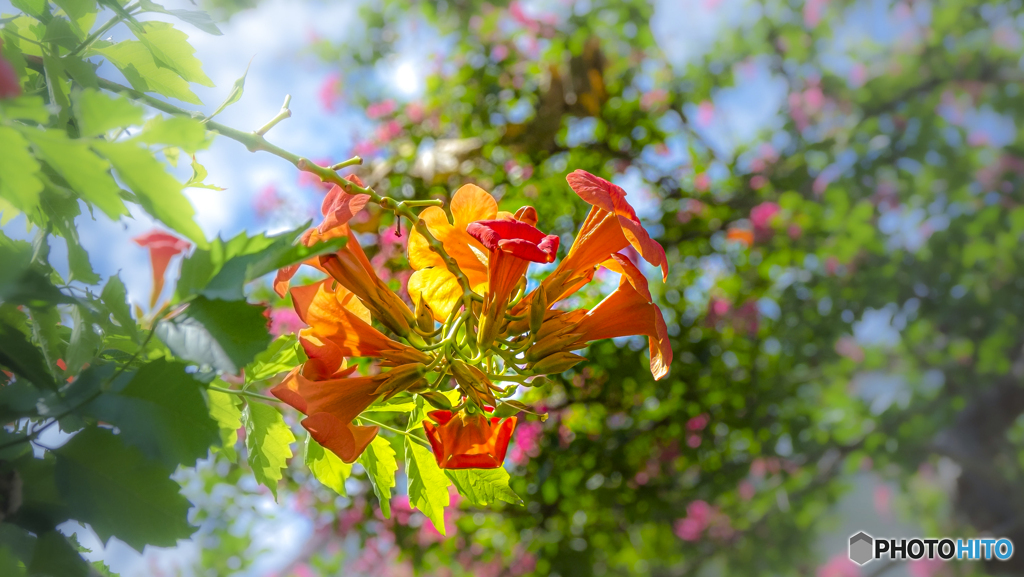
{"x": 381, "y": 464}
{"x": 428, "y": 485}
{"x": 483, "y": 486}
{"x": 268, "y": 440}
{"x": 327, "y": 467}
{"x": 98, "y": 112}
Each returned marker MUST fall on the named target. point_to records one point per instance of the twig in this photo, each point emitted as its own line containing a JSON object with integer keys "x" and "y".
{"x": 243, "y": 393}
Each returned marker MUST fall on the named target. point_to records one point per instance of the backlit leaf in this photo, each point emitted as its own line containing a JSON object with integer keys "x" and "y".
{"x": 327, "y": 467}
{"x": 381, "y": 464}
{"x": 428, "y": 486}
{"x": 170, "y": 48}
{"x": 98, "y": 112}
{"x": 19, "y": 179}
{"x": 224, "y": 335}
{"x": 268, "y": 440}
{"x": 483, "y": 486}
{"x": 87, "y": 173}
{"x": 120, "y": 493}
{"x": 136, "y": 62}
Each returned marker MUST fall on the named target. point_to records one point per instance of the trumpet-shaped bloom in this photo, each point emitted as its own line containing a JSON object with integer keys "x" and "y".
{"x": 627, "y": 311}
{"x": 468, "y": 441}
{"x": 337, "y": 208}
{"x": 337, "y": 316}
{"x": 350, "y": 267}
{"x": 513, "y": 244}
{"x": 611, "y": 226}
{"x": 432, "y": 281}
{"x": 330, "y": 406}
{"x": 162, "y": 248}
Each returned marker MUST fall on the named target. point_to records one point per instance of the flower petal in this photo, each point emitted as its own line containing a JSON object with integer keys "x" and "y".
{"x": 345, "y": 440}
{"x": 438, "y": 288}
{"x": 471, "y": 203}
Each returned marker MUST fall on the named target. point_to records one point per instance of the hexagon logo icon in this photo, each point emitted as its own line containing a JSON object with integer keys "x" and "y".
{"x": 861, "y": 548}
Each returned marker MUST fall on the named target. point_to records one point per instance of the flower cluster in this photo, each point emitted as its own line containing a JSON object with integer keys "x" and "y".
{"x": 473, "y": 333}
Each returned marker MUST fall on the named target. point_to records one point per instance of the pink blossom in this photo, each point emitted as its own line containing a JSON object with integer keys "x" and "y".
{"x": 746, "y": 490}
{"x": 330, "y": 91}
{"x": 705, "y": 113}
{"x": 858, "y": 75}
{"x": 285, "y": 321}
{"x": 761, "y": 215}
{"x": 812, "y": 12}
{"x": 701, "y": 182}
{"x": 839, "y": 566}
{"x": 364, "y": 148}
{"x": 388, "y": 131}
{"x": 847, "y": 347}
{"x": 883, "y": 500}
{"x": 924, "y": 567}
{"x": 758, "y": 181}
{"x": 698, "y": 423}
{"x": 267, "y": 201}
{"x": 380, "y": 109}
{"x": 653, "y": 98}
{"x": 415, "y": 112}
{"x": 527, "y": 442}
{"x": 693, "y": 441}
{"x": 499, "y": 53}
{"x": 794, "y": 231}
{"x": 814, "y": 98}
{"x": 688, "y": 529}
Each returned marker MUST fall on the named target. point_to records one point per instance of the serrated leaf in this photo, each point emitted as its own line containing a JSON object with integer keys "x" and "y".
{"x": 197, "y": 18}
{"x": 36, "y": 8}
{"x": 428, "y": 485}
{"x": 162, "y": 412}
{"x": 120, "y": 493}
{"x": 85, "y": 172}
{"x": 327, "y": 467}
{"x": 186, "y": 133}
{"x": 62, "y": 211}
{"x": 268, "y": 440}
{"x": 199, "y": 174}
{"x": 98, "y": 112}
{"x": 57, "y": 84}
{"x": 81, "y": 12}
{"x": 53, "y": 555}
{"x": 158, "y": 192}
{"x": 381, "y": 464}
{"x": 19, "y": 172}
{"x": 170, "y": 48}
{"x": 224, "y": 335}
{"x": 136, "y": 62}
{"x": 60, "y": 32}
{"x": 22, "y": 358}
{"x": 81, "y": 71}
{"x": 224, "y": 408}
{"x": 115, "y": 297}
{"x": 284, "y": 354}
{"x": 84, "y": 343}
{"x": 237, "y": 89}
{"x": 483, "y": 486}
{"x": 25, "y": 108}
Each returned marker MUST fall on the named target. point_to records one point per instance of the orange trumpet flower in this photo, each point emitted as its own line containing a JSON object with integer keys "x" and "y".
{"x": 338, "y": 317}
{"x": 468, "y": 441}
{"x": 433, "y": 282}
{"x": 513, "y": 245}
{"x": 162, "y": 248}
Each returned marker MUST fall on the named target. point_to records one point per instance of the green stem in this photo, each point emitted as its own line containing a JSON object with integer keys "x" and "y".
{"x": 285, "y": 113}
{"x": 244, "y": 394}
{"x": 101, "y": 31}
{"x": 394, "y": 430}
{"x": 354, "y": 161}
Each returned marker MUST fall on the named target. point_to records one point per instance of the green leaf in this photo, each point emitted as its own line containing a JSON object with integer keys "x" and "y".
{"x": 235, "y": 95}
{"x": 54, "y": 555}
{"x": 381, "y": 464}
{"x": 115, "y": 297}
{"x": 9, "y": 563}
{"x": 170, "y": 48}
{"x": 284, "y": 354}
{"x": 120, "y": 493}
{"x": 197, "y": 18}
{"x": 25, "y": 108}
{"x": 57, "y": 84}
{"x": 225, "y": 335}
{"x": 62, "y": 209}
{"x": 483, "y": 486}
{"x": 60, "y": 32}
{"x": 81, "y": 71}
{"x": 136, "y": 62}
{"x": 81, "y": 12}
{"x": 186, "y": 133}
{"x": 222, "y": 271}
{"x": 162, "y": 412}
{"x": 267, "y": 438}
{"x": 42, "y": 507}
{"x": 327, "y": 467}
{"x": 19, "y": 172}
{"x": 158, "y": 192}
{"x": 428, "y": 486}
{"x": 86, "y": 173}
{"x": 22, "y": 358}
{"x": 84, "y": 343}
{"x": 38, "y": 9}
{"x": 98, "y": 112}
{"x": 198, "y": 176}
{"x": 224, "y": 409}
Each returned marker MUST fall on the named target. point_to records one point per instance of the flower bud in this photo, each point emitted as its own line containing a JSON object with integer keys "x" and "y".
{"x": 538, "y": 306}
{"x": 424, "y": 316}
{"x": 473, "y": 382}
{"x": 402, "y": 378}
{"x": 437, "y": 400}
{"x": 556, "y": 363}
{"x": 551, "y": 344}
